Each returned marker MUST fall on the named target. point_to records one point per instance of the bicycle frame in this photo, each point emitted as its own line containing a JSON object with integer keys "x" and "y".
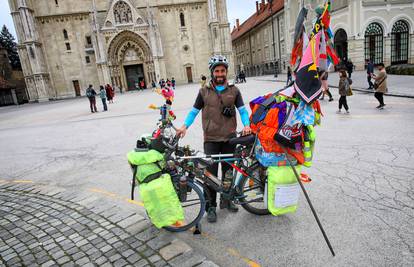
{"x": 236, "y": 192}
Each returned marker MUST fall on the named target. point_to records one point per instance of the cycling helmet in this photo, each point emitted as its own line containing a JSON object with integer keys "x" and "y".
{"x": 217, "y": 60}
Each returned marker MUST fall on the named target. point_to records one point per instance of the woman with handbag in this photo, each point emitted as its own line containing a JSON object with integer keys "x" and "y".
{"x": 380, "y": 85}
{"x": 344, "y": 91}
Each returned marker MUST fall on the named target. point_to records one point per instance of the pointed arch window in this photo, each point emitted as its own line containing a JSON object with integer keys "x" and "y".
{"x": 182, "y": 19}
{"x": 65, "y": 34}
{"x": 122, "y": 13}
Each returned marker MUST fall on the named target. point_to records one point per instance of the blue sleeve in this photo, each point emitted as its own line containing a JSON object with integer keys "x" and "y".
{"x": 191, "y": 116}
{"x": 244, "y": 115}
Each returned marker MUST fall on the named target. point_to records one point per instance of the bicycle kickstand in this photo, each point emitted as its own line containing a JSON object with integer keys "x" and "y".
{"x": 197, "y": 229}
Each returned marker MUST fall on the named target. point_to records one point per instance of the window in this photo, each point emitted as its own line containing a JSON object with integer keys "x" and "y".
{"x": 88, "y": 59}
{"x": 182, "y": 19}
{"x": 374, "y": 43}
{"x": 65, "y": 34}
{"x": 88, "y": 40}
{"x": 57, "y": 2}
{"x": 67, "y": 46}
{"x": 399, "y": 42}
{"x": 122, "y": 13}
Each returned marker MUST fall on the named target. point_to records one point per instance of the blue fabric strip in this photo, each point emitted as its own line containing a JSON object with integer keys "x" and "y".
{"x": 220, "y": 88}
{"x": 191, "y": 117}
{"x": 244, "y": 115}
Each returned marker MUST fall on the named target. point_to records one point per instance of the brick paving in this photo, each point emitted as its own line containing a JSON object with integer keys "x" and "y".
{"x": 49, "y": 226}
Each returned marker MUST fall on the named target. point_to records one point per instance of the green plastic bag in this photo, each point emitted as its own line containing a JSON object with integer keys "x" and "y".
{"x": 161, "y": 201}
{"x": 282, "y": 190}
{"x": 147, "y": 162}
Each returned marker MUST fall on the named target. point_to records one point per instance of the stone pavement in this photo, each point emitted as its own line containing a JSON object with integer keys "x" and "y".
{"x": 49, "y": 226}
{"x": 398, "y": 85}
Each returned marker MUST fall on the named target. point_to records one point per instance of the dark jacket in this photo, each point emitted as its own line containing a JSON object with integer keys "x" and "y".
{"x": 370, "y": 68}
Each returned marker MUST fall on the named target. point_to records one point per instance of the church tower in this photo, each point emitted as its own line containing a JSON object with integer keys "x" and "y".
{"x": 30, "y": 52}
{"x": 220, "y": 30}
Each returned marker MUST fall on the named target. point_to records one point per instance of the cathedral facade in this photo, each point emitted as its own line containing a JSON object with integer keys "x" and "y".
{"x": 66, "y": 45}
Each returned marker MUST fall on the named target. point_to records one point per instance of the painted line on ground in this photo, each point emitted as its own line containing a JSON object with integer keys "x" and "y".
{"x": 17, "y": 181}
{"x": 231, "y": 251}
{"x": 115, "y": 196}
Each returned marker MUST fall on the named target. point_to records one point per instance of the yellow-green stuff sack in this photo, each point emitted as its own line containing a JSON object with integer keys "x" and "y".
{"x": 282, "y": 190}
{"x": 147, "y": 162}
{"x": 161, "y": 201}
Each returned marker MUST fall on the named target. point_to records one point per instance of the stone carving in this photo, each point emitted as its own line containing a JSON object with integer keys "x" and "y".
{"x": 122, "y": 13}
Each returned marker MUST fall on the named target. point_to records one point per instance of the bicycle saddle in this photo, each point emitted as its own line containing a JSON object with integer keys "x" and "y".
{"x": 243, "y": 140}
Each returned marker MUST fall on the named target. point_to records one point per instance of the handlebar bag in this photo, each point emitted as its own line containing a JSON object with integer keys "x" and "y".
{"x": 161, "y": 201}
{"x": 282, "y": 190}
{"x": 149, "y": 164}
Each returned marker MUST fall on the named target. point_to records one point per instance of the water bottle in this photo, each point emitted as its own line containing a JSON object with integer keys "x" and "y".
{"x": 182, "y": 188}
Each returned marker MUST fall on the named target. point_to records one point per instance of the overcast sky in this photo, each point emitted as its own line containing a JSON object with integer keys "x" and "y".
{"x": 241, "y": 9}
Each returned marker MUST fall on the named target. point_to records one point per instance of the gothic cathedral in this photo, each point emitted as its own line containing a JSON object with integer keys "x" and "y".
{"x": 66, "y": 45}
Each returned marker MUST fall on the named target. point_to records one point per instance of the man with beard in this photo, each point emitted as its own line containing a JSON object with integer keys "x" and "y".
{"x": 218, "y": 101}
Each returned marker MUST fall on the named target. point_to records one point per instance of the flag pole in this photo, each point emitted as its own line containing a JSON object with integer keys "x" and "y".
{"x": 310, "y": 204}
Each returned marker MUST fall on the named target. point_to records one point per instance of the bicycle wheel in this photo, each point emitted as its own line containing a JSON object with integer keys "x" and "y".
{"x": 253, "y": 199}
{"x": 194, "y": 207}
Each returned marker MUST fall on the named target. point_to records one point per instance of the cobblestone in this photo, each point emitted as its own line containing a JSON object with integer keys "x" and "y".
{"x": 57, "y": 231}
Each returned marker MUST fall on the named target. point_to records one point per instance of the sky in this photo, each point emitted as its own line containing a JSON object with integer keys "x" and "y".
{"x": 241, "y": 9}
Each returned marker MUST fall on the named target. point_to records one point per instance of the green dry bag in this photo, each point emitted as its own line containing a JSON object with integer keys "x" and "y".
{"x": 148, "y": 163}
{"x": 282, "y": 190}
{"x": 161, "y": 201}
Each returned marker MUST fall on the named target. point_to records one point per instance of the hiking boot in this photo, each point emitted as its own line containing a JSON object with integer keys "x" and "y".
{"x": 338, "y": 112}
{"x": 347, "y": 112}
{"x": 232, "y": 207}
{"x": 331, "y": 99}
{"x": 378, "y": 106}
{"x": 211, "y": 215}
{"x": 227, "y": 204}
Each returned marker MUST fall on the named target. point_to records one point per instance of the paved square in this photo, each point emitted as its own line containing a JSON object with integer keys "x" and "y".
{"x": 363, "y": 187}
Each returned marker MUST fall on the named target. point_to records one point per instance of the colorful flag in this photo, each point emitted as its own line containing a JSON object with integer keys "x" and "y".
{"x": 323, "y": 66}
{"x": 298, "y": 39}
{"x": 307, "y": 83}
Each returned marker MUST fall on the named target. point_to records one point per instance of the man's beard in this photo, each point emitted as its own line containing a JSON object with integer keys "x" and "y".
{"x": 220, "y": 80}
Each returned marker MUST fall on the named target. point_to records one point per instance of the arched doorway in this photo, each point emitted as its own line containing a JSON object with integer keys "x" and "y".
{"x": 399, "y": 43}
{"x": 130, "y": 61}
{"x": 341, "y": 44}
{"x": 374, "y": 43}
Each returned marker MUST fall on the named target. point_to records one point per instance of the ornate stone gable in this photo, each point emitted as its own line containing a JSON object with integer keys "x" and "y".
{"x": 122, "y": 15}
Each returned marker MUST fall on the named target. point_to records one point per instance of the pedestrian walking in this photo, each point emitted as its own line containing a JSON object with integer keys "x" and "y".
{"x": 242, "y": 76}
{"x": 108, "y": 91}
{"x": 142, "y": 85}
{"x": 323, "y": 76}
{"x": 349, "y": 68}
{"x": 120, "y": 89}
{"x": 380, "y": 85}
{"x": 344, "y": 89}
{"x": 102, "y": 94}
{"x": 289, "y": 76}
{"x": 173, "y": 83}
{"x": 90, "y": 93}
{"x": 153, "y": 86}
{"x": 370, "y": 72}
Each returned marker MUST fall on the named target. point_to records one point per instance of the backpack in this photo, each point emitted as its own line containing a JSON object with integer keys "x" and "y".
{"x": 89, "y": 93}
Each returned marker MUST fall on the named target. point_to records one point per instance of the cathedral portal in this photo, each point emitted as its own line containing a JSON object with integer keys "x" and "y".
{"x": 130, "y": 60}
